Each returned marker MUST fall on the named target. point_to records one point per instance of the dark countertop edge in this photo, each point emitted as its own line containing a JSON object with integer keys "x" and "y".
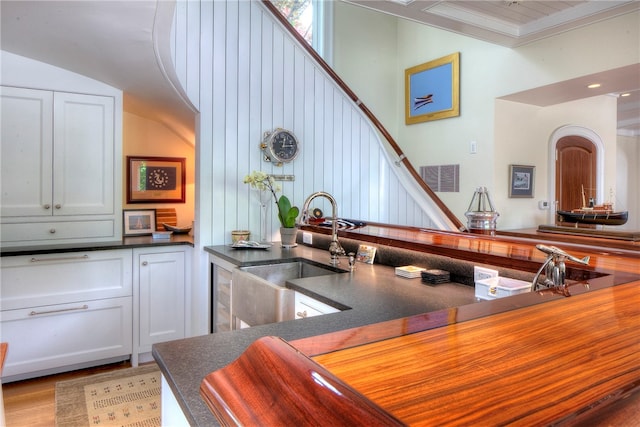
{"x": 125, "y": 243}
{"x": 530, "y": 263}
{"x": 245, "y": 257}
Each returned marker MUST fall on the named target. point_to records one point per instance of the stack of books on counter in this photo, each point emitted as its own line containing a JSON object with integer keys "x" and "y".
{"x": 435, "y": 276}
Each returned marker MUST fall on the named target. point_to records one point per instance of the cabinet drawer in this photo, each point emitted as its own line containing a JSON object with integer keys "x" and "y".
{"x": 310, "y": 307}
{"x": 26, "y": 233}
{"x": 35, "y": 280}
{"x": 49, "y": 337}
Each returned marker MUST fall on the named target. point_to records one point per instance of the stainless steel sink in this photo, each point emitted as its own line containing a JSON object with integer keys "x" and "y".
{"x": 259, "y": 295}
{"x": 279, "y": 273}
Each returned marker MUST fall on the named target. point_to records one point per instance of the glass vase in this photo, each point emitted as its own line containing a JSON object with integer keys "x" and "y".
{"x": 264, "y": 197}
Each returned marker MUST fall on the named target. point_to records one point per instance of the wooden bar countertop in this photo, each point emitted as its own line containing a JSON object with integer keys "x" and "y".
{"x": 545, "y": 364}
{"x": 558, "y": 363}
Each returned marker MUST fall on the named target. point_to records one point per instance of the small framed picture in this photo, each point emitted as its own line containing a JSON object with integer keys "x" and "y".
{"x": 139, "y": 222}
{"x": 521, "y": 181}
{"x": 155, "y": 179}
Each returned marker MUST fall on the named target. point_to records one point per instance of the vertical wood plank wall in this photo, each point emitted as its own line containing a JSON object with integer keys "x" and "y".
{"x": 246, "y": 75}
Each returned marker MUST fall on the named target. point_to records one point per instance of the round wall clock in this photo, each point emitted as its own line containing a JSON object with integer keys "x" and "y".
{"x": 280, "y": 146}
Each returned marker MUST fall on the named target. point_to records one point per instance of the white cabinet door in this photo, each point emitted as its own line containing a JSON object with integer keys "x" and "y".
{"x": 172, "y": 414}
{"x": 57, "y": 153}
{"x": 61, "y": 170}
{"x": 161, "y": 278}
{"x": 48, "y": 337}
{"x": 83, "y": 154}
{"x": 48, "y": 279}
{"x": 26, "y": 152}
{"x": 64, "y": 309}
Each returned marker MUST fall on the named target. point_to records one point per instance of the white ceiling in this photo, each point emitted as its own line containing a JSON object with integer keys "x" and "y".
{"x": 116, "y": 41}
{"x": 507, "y": 23}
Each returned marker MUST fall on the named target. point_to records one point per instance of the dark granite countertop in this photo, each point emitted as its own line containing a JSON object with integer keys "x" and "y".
{"x": 373, "y": 292}
{"x": 125, "y": 243}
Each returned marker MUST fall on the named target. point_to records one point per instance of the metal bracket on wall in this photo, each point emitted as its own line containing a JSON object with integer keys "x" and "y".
{"x": 283, "y": 177}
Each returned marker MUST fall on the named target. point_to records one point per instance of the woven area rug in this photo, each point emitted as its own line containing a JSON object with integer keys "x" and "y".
{"x": 125, "y": 397}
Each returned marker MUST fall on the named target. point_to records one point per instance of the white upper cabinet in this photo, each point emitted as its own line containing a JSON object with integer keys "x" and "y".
{"x": 57, "y": 153}
{"x": 60, "y": 167}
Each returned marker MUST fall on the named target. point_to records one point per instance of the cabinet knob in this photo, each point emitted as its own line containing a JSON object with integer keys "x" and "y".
{"x": 302, "y": 314}
{"x": 58, "y": 206}
{"x": 47, "y": 206}
{"x": 52, "y": 231}
{"x": 144, "y": 263}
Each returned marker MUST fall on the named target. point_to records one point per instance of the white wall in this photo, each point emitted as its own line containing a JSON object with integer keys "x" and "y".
{"x": 522, "y": 137}
{"x": 627, "y": 196}
{"x": 246, "y": 75}
{"x": 144, "y": 137}
{"x": 19, "y": 71}
{"x": 252, "y": 76}
{"x": 368, "y": 64}
{"x": 487, "y": 72}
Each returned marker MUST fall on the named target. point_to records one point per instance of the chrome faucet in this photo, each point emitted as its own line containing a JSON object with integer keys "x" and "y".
{"x": 335, "y": 249}
{"x": 555, "y": 269}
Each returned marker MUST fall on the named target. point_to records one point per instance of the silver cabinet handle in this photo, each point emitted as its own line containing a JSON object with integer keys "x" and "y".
{"x": 302, "y": 314}
{"x": 52, "y": 231}
{"x": 58, "y": 206}
{"x": 60, "y": 258}
{"x": 144, "y": 263}
{"x": 47, "y": 206}
{"x": 38, "y": 313}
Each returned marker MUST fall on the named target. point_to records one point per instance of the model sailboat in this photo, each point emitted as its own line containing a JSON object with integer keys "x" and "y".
{"x": 594, "y": 214}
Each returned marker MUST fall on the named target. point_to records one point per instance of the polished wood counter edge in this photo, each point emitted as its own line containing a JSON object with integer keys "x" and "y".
{"x": 452, "y": 239}
{"x": 125, "y": 243}
{"x": 274, "y": 384}
{"x": 375, "y": 332}
{"x": 553, "y": 363}
{"x": 502, "y": 251}
{"x": 544, "y": 364}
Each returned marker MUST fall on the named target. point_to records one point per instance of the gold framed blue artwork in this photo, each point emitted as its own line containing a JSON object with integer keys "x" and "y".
{"x": 432, "y": 90}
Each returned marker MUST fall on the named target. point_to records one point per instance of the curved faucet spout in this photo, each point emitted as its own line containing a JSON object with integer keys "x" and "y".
{"x": 335, "y": 249}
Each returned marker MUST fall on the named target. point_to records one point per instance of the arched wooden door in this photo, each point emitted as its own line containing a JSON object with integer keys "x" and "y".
{"x": 576, "y": 168}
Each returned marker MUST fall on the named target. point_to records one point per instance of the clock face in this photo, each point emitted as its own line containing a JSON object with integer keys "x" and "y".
{"x": 283, "y": 145}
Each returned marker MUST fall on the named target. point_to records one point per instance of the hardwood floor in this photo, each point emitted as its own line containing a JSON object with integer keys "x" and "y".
{"x": 32, "y": 402}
